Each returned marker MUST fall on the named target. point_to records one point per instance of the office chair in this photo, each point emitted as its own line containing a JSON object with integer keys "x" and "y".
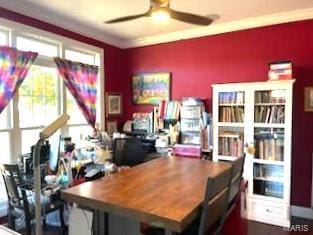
{"x": 127, "y": 152}
{"x": 213, "y": 208}
{"x": 21, "y": 199}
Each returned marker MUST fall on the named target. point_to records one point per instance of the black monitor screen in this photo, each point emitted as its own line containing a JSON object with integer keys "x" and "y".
{"x": 54, "y": 141}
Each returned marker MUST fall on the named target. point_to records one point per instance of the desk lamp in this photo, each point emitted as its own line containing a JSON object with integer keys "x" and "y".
{"x": 43, "y": 135}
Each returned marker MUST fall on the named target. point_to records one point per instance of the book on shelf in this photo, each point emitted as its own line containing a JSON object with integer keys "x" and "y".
{"x": 269, "y": 114}
{"x": 231, "y": 97}
{"x": 230, "y": 144}
{"x": 270, "y": 148}
{"x": 169, "y": 110}
{"x": 280, "y": 70}
{"x": 231, "y": 114}
{"x": 267, "y": 97}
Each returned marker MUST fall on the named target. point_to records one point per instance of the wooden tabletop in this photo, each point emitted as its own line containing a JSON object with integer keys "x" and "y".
{"x": 167, "y": 191}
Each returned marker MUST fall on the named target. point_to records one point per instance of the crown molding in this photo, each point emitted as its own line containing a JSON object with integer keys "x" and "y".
{"x": 279, "y": 18}
{"x": 98, "y": 34}
{"x": 56, "y": 19}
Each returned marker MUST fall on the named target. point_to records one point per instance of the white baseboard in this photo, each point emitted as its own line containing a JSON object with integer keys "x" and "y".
{"x": 303, "y": 212}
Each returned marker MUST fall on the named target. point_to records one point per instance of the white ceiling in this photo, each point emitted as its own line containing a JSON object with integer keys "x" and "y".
{"x": 86, "y": 17}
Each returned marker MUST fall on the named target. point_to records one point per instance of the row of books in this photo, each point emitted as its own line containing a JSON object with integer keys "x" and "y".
{"x": 231, "y": 97}
{"x": 230, "y": 146}
{"x": 270, "y": 149}
{"x": 268, "y": 188}
{"x": 269, "y": 114}
{"x": 169, "y": 109}
{"x": 268, "y": 171}
{"x": 275, "y": 96}
{"x": 231, "y": 114}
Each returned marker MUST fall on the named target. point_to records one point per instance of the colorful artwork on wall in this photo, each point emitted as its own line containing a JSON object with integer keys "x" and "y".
{"x": 151, "y": 88}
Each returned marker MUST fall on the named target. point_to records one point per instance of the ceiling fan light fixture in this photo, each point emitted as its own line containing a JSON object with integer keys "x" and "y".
{"x": 160, "y": 15}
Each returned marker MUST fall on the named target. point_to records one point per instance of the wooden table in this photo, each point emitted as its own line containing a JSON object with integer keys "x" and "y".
{"x": 167, "y": 191}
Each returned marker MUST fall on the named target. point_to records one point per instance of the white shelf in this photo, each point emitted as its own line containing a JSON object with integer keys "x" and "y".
{"x": 273, "y": 179}
{"x": 269, "y": 162}
{"x": 269, "y": 125}
{"x": 231, "y": 104}
{"x": 232, "y": 124}
{"x": 268, "y": 104}
{"x": 226, "y": 158}
{"x": 258, "y": 96}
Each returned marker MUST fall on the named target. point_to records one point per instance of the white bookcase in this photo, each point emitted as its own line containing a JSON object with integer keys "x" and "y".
{"x": 259, "y": 115}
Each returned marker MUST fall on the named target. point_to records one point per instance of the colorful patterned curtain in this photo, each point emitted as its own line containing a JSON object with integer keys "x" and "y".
{"x": 14, "y": 66}
{"x": 81, "y": 80}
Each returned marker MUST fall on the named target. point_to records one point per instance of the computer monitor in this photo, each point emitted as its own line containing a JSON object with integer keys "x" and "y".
{"x": 54, "y": 153}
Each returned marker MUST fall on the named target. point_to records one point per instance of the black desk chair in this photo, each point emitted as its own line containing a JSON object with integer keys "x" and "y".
{"x": 21, "y": 199}
{"x": 127, "y": 152}
{"x": 213, "y": 209}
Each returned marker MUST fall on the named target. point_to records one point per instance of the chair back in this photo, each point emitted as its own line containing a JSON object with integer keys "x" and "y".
{"x": 236, "y": 176}
{"x": 127, "y": 151}
{"x": 17, "y": 197}
{"x": 215, "y": 202}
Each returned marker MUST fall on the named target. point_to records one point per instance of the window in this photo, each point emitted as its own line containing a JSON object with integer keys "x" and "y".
{"x": 31, "y": 44}
{"x": 3, "y": 38}
{"x": 82, "y": 57}
{"x": 5, "y": 146}
{"x": 38, "y": 97}
{"x": 42, "y": 96}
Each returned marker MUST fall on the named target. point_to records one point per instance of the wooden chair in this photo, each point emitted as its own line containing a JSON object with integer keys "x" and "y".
{"x": 213, "y": 209}
{"x": 21, "y": 199}
{"x": 236, "y": 177}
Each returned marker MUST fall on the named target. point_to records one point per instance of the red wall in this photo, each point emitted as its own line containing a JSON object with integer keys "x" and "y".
{"x": 236, "y": 57}
{"x": 113, "y": 56}
{"x": 197, "y": 63}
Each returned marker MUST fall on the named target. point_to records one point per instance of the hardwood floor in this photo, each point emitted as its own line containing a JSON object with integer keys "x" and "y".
{"x": 235, "y": 225}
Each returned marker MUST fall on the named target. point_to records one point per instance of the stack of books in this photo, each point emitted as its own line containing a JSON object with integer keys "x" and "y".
{"x": 281, "y": 70}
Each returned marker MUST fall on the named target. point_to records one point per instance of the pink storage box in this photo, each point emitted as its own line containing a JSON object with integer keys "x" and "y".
{"x": 185, "y": 150}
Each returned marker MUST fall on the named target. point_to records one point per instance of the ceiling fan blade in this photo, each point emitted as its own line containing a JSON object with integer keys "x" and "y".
{"x": 190, "y": 18}
{"x": 126, "y": 18}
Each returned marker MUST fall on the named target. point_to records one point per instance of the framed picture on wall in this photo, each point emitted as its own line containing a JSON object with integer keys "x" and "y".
{"x": 150, "y": 88}
{"x": 308, "y": 99}
{"x": 113, "y": 104}
{"x": 111, "y": 127}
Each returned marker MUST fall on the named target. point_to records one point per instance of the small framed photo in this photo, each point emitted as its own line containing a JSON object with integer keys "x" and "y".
{"x": 113, "y": 104}
{"x": 111, "y": 127}
{"x": 308, "y": 99}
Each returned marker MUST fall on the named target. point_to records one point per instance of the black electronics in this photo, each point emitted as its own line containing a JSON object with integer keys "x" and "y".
{"x": 93, "y": 174}
{"x": 44, "y": 152}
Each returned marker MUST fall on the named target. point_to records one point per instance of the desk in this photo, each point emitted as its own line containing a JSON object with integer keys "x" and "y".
{"x": 167, "y": 191}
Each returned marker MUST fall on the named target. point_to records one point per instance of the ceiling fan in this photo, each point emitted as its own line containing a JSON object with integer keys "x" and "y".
{"x": 161, "y": 9}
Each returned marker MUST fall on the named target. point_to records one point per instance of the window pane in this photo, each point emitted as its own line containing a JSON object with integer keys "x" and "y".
{"x": 42, "y": 48}
{"x": 5, "y": 147}
{"x": 73, "y": 110}
{"x": 3, "y": 39}
{"x": 79, "y": 134}
{"x": 38, "y": 97}
{"x": 80, "y": 57}
{"x": 5, "y": 119}
{"x": 29, "y": 138}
